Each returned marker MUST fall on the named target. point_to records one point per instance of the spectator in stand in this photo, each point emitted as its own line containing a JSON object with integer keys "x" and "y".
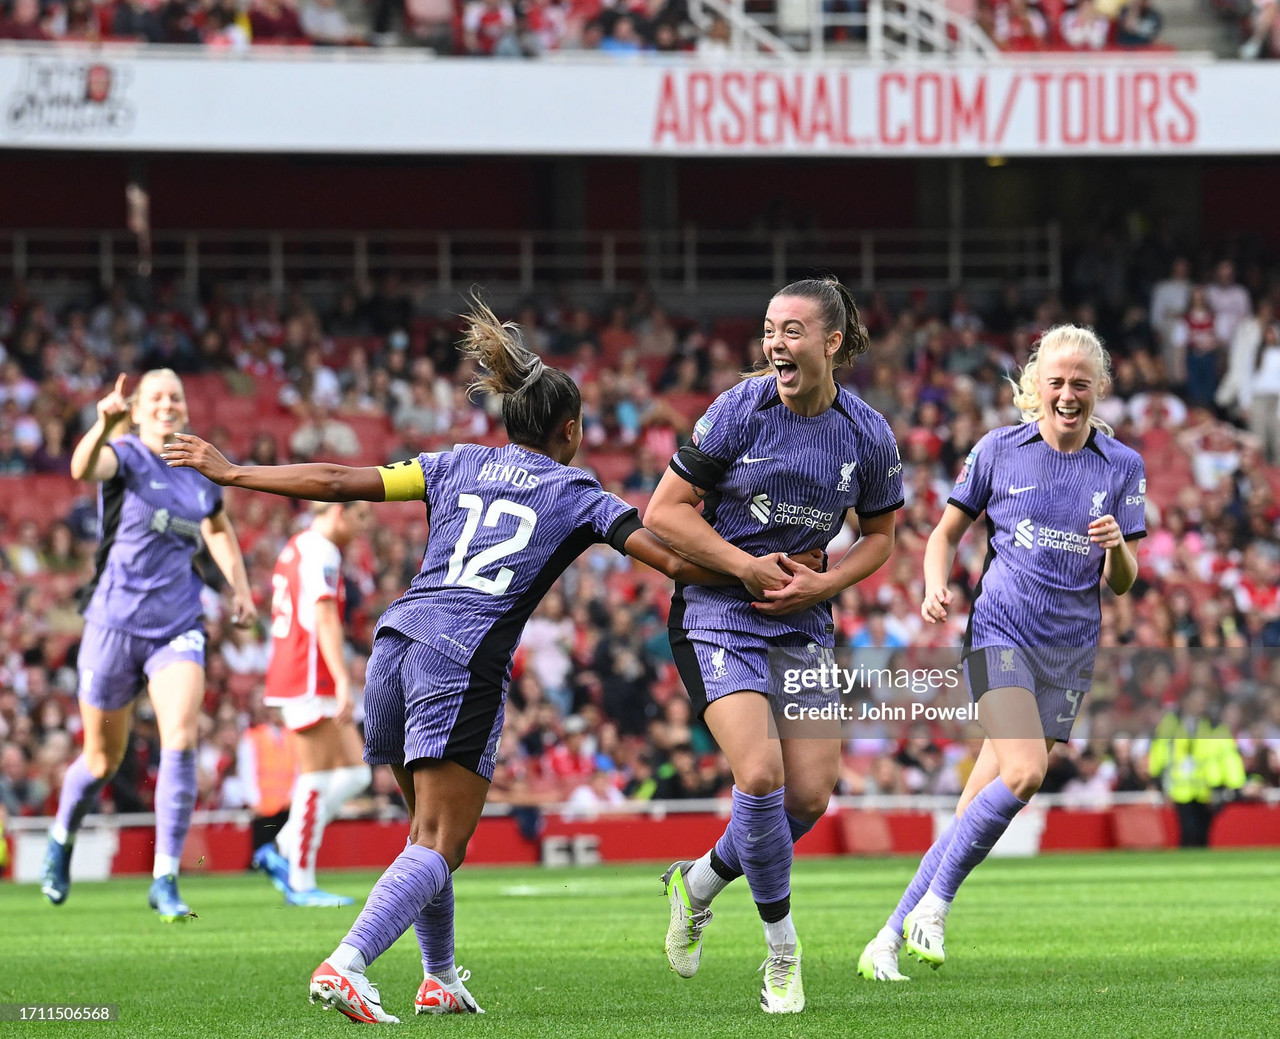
{"x": 623, "y": 38}
{"x": 12, "y": 461}
{"x": 1263, "y": 42}
{"x": 326, "y": 23}
{"x": 1019, "y": 26}
{"x": 1228, "y": 299}
{"x": 23, "y": 22}
{"x": 717, "y": 40}
{"x": 1244, "y": 360}
{"x": 20, "y": 792}
{"x": 485, "y": 24}
{"x": 138, "y": 20}
{"x": 225, "y": 30}
{"x": 1262, "y": 396}
{"x": 1138, "y": 24}
{"x": 274, "y": 21}
{"x": 322, "y": 435}
{"x": 1196, "y": 341}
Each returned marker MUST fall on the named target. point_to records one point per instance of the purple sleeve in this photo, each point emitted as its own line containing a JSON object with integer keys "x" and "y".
{"x": 434, "y": 467}
{"x": 1131, "y": 500}
{"x": 609, "y": 516}
{"x": 882, "y": 482}
{"x": 973, "y": 485}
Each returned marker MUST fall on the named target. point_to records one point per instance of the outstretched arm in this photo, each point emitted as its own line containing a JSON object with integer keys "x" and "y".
{"x": 314, "y": 481}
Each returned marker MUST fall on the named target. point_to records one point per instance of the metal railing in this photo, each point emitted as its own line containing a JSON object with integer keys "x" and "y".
{"x": 883, "y": 30}
{"x": 685, "y": 261}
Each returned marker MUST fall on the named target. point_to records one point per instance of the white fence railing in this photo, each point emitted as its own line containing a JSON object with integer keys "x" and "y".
{"x": 883, "y": 30}
{"x": 685, "y": 261}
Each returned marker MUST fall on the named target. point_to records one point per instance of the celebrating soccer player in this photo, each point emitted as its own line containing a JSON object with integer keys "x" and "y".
{"x": 505, "y": 523}
{"x": 308, "y": 680}
{"x": 1052, "y": 489}
{"x": 778, "y": 460}
{"x": 143, "y": 621}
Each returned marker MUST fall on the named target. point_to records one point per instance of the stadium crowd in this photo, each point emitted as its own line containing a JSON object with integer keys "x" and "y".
{"x": 596, "y": 713}
{"x": 529, "y": 28}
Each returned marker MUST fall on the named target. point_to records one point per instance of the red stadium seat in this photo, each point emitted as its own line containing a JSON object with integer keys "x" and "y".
{"x": 691, "y": 405}
{"x": 610, "y": 467}
{"x": 43, "y": 497}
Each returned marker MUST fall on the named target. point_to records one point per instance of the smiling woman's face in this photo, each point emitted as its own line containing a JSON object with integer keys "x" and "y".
{"x": 797, "y": 345}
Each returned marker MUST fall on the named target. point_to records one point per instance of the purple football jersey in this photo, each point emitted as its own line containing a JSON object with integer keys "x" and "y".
{"x": 149, "y": 517}
{"x": 505, "y": 523}
{"x": 1040, "y": 582}
{"x": 782, "y": 482}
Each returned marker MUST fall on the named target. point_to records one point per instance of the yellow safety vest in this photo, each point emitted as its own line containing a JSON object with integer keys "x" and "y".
{"x": 1192, "y": 765}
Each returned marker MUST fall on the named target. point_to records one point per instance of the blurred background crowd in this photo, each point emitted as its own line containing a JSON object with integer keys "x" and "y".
{"x": 597, "y": 714}
{"x": 530, "y": 28}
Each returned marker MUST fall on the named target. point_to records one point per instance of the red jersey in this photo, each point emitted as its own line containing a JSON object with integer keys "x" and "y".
{"x": 308, "y": 571}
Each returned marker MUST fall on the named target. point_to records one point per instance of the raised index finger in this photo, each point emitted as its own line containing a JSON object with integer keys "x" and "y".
{"x": 120, "y": 380}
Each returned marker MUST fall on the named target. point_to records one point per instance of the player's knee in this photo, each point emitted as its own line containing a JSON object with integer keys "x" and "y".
{"x": 451, "y": 849}
{"x": 102, "y": 764}
{"x": 808, "y": 805}
{"x": 1023, "y": 778}
{"x": 758, "y": 778}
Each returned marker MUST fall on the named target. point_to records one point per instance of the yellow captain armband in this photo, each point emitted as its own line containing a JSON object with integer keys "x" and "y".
{"x": 403, "y": 481}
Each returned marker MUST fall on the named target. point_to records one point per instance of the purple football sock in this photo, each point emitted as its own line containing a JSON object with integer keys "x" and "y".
{"x": 759, "y": 832}
{"x": 175, "y": 800}
{"x": 724, "y": 856}
{"x": 414, "y": 879}
{"x": 80, "y": 790}
{"x": 987, "y": 817}
{"x": 924, "y": 876}
{"x": 434, "y": 928}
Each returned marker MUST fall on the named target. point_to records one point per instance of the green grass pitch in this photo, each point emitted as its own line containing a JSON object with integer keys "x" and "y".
{"x": 1172, "y": 944}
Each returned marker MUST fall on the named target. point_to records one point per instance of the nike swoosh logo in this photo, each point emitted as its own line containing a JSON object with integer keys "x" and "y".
{"x": 1068, "y": 718}
{"x": 1019, "y": 490}
{"x": 752, "y": 838}
{"x": 158, "y": 486}
{"x": 746, "y": 460}
{"x": 979, "y": 847}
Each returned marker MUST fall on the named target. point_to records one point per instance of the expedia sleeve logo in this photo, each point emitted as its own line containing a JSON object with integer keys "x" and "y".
{"x": 68, "y": 98}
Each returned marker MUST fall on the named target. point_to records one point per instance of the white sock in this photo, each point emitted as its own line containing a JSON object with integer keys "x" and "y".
{"x": 166, "y": 865}
{"x": 58, "y": 833}
{"x": 931, "y": 903}
{"x": 344, "y": 784}
{"x": 307, "y": 820}
{"x": 702, "y": 882}
{"x": 888, "y": 934}
{"x": 447, "y": 977}
{"x": 349, "y": 958}
{"x": 781, "y": 936}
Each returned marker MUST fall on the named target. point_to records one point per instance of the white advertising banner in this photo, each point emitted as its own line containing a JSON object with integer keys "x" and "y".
{"x": 171, "y": 101}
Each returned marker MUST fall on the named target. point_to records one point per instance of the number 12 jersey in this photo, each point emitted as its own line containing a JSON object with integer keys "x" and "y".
{"x": 505, "y": 523}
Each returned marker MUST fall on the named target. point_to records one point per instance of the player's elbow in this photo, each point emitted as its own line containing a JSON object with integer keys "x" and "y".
{"x": 658, "y": 520}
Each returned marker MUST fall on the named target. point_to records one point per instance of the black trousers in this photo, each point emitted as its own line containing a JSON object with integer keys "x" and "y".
{"x": 1193, "y": 824}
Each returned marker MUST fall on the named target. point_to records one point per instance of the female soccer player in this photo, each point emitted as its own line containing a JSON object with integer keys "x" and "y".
{"x": 777, "y": 460}
{"x": 505, "y": 523}
{"x": 143, "y": 621}
{"x": 308, "y": 680}
{"x": 1052, "y": 488}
